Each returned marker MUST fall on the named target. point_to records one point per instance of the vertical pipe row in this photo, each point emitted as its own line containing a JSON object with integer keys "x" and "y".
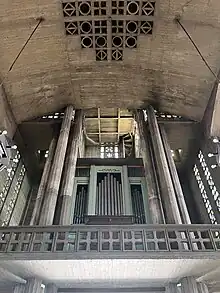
{"x": 105, "y": 196}
{"x": 118, "y": 198}
{"x": 109, "y": 199}
{"x": 76, "y": 207}
{"x": 108, "y": 195}
{"x": 112, "y": 196}
{"x": 103, "y": 200}
{"x": 115, "y": 196}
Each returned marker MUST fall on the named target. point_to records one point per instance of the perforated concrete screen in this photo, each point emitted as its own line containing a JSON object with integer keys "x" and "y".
{"x": 108, "y": 26}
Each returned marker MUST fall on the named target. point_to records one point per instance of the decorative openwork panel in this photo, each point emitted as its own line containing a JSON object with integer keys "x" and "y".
{"x": 13, "y": 199}
{"x": 204, "y": 195}
{"x": 138, "y": 238}
{"x": 108, "y": 26}
{"x": 211, "y": 183}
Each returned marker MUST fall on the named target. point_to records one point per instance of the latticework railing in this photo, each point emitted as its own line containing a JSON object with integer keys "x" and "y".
{"x": 112, "y": 241}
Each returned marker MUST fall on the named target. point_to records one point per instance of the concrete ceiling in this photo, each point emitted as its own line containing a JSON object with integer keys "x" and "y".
{"x": 105, "y": 272}
{"x": 54, "y": 71}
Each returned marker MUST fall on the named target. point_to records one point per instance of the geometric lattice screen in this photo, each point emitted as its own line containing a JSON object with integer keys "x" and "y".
{"x": 108, "y": 26}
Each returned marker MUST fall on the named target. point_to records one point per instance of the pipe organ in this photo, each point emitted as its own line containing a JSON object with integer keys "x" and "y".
{"x": 109, "y": 197}
{"x": 80, "y": 204}
{"x": 137, "y": 204}
{"x": 107, "y": 191}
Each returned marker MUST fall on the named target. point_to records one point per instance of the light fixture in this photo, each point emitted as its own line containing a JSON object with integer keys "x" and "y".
{"x": 14, "y": 147}
{"x": 210, "y": 155}
{"x": 215, "y": 140}
{"x": 179, "y": 285}
{"x": 213, "y": 166}
{"x": 4, "y": 132}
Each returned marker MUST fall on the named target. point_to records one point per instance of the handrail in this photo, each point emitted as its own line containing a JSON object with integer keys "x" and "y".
{"x": 134, "y": 226}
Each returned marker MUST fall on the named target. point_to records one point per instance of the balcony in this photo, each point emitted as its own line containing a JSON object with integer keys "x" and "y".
{"x": 102, "y": 255}
{"x": 112, "y": 242}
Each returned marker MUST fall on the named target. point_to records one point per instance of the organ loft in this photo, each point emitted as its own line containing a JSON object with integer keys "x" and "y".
{"x": 109, "y": 146}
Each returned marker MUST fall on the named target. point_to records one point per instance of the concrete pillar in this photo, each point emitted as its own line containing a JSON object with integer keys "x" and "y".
{"x": 51, "y": 288}
{"x": 175, "y": 178}
{"x": 33, "y": 286}
{"x": 19, "y": 288}
{"x": 66, "y": 214}
{"x": 202, "y": 288}
{"x": 166, "y": 185}
{"x": 155, "y": 206}
{"x": 49, "y": 205}
{"x": 189, "y": 285}
{"x": 43, "y": 183}
{"x": 171, "y": 288}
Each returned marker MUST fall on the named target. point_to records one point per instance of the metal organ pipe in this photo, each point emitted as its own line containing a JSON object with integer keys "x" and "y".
{"x": 109, "y": 200}
{"x": 115, "y": 196}
{"x": 109, "y": 195}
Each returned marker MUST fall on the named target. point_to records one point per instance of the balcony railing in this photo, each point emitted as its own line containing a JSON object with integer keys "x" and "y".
{"x": 133, "y": 241}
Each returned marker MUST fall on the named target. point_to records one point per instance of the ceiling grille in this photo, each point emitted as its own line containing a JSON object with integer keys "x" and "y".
{"x": 108, "y": 26}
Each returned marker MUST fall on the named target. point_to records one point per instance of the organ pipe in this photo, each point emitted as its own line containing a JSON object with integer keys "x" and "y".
{"x": 80, "y": 205}
{"x": 109, "y": 200}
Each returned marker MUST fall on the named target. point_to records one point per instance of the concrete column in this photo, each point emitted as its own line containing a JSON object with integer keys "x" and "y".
{"x": 171, "y": 288}
{"x": 202, "y": 288}
{"x": 19, "y": 288}
{"x": 175, "y": 178}
{"x": 33, "y": 286}
{"x": 66, "y": 214}
{"x": 49, "y": 205}
{"x": 166, "y": 185}
{"x": 43, "y": 183}
{"x": 155, "y": 206}
{"x": 51, "y": 288}
{"x": 189, "y": 285}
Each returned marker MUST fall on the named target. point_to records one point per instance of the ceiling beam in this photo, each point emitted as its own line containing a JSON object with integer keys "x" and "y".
{"x": 108, "y": 117}
{"x": 105, "y": 133}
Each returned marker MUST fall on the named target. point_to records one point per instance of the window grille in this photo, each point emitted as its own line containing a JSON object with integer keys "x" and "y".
{"x": 14, "y": 197}
{"x": 208, "y": 177}
{"x": 204, "y": 195}
{"x": 109, "y": 151}
{"x": 10, "y": 176}
{"x": 108, "y": 26}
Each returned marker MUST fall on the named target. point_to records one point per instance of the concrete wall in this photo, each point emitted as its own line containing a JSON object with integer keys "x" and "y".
{"x": 6, "y": 117}
{"x": 92, "y": 152}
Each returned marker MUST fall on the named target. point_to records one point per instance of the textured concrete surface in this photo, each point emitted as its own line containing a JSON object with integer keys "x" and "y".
{"x": 54, "y": 71}
{"x": 75, "y": 273}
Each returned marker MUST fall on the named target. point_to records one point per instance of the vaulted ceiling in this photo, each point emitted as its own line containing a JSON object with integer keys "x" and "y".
{"x": 59, "y": 66}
